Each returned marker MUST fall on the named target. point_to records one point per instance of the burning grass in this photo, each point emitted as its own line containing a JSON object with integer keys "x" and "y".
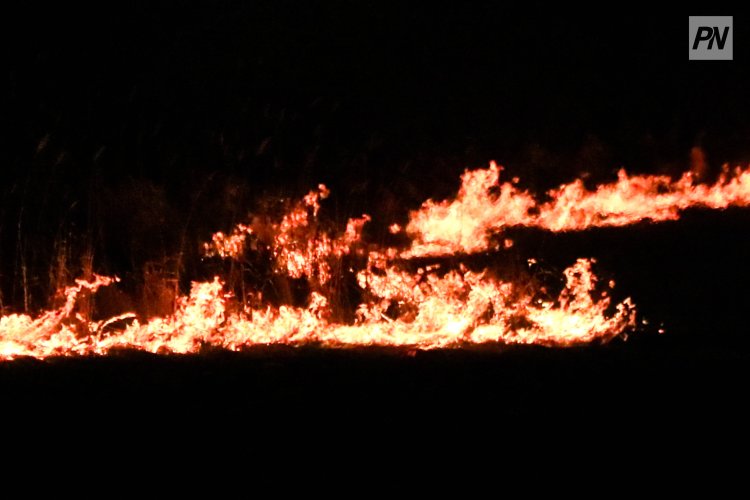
{"x": 333, "y": 288}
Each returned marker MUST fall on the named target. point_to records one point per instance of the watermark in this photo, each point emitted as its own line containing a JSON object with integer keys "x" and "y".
{"x": 711, "y": 38}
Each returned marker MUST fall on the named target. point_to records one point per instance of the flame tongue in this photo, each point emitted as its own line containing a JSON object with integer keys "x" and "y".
{"x": 429, "y": 307}
{"x": 464, "y": 225}
{"x": 448, "y": 311}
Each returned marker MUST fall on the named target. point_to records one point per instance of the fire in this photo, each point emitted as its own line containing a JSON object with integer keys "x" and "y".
{"x": 466, "y": 224}
{"x": 401, "y": 302}
{"x": 449, "y": 311}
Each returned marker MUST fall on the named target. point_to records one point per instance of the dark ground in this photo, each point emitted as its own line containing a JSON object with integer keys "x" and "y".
{"x": 134, "y": 133}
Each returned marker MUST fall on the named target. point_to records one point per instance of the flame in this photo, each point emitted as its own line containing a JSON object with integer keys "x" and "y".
{"x": 401, "y": 303}
{"x": 466, "y": 224}
{"x": 449, "y": 311}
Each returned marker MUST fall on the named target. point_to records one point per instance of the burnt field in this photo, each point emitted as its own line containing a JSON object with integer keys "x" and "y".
{"x": 687, "y": 276}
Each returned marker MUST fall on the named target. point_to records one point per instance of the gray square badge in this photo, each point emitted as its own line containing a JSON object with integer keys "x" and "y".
{"x": 711, "y": 38}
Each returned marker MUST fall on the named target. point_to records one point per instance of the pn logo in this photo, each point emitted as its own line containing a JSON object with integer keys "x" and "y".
{"x": 711, "y": 38}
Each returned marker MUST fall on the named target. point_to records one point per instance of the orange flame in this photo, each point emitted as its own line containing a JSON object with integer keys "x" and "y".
{"x": 426, "y": 308}
{"x": 450, "y": 311}
{"x": 465, "y": 224}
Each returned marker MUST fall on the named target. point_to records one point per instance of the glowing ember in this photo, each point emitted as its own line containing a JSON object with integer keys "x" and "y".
{"x": 425, "y": 307}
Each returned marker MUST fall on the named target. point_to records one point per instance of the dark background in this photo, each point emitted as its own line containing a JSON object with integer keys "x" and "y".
{"x": 131, "y": 133}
